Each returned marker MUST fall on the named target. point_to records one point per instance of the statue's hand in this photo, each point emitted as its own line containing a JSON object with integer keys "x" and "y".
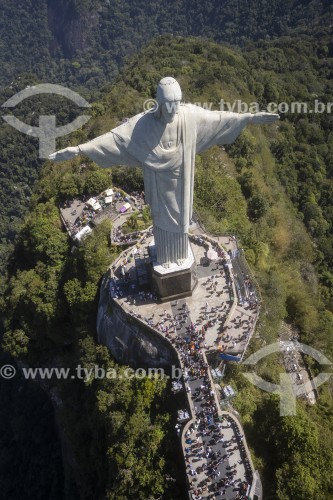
{"x": 264, "y": 117}
{"x": 65, "y": 154}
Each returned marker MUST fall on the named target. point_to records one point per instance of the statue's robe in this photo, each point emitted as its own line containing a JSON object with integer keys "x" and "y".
{"x": 168, "y": 173}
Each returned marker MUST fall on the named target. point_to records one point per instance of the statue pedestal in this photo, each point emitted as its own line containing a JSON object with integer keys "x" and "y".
{"x": 174, "y": 282}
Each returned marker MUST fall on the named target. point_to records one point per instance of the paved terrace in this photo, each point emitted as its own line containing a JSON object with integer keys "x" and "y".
{"x": 76, "y": 214}
{"x": 220, "y": 316}
{"x": 214, "y": 308}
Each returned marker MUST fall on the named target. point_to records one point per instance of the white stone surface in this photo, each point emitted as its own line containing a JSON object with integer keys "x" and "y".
{"x": 164, "y": 144}
{"x": 173, "y": 266}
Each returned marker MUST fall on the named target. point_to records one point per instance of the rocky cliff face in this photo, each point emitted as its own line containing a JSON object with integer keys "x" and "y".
{"x": 71, "y": 24}
{"x": 131, "y": 343}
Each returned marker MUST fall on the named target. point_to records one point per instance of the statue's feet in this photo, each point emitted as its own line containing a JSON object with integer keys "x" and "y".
{"x": 179, "y": 262}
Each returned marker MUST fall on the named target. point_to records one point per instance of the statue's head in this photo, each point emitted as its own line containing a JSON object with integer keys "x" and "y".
{"x": 168, "y": 97}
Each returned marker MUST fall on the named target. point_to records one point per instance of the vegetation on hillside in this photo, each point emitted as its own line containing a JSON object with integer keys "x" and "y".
{"x": 273, "y": 188}
{"x": 83, "y": 42}
{"x": 50, "y": 320}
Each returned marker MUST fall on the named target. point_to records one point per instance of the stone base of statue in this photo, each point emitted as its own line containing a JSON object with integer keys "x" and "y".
{"x": 174, "y": 282}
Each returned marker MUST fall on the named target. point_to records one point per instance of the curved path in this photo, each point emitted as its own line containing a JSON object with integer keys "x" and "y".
{"x": 217, "y": 458}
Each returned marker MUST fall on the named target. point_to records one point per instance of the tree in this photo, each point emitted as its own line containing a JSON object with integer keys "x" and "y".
{"x": 297, "y": 481}
{"x": 44, "y": 238}
{"x": 67, "y": 187}
{"x": 33, "y": 298}
{"x": 244, "y": 147}
{"x": 257, "y": 207}
{"x": 132, "y": 221}
{"x": 15, "y": 343}
{"x": 72, "y": 290}
{"x": 97, "y": 181}
{"x": 247, "y": 183}
{"x": 95, "y": 254}
{"x": 146, "y": 216}
{"x": 80, "y": 298}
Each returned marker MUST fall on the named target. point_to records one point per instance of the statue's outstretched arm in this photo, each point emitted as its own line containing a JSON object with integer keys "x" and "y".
{"x": 104, "y": 150}
{"x": 65, "y": 154}
{"x": 263, "y": 117}
{"x": 223, "y": 127}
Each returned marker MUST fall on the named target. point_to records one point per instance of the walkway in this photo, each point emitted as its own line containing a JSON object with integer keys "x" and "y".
{"x": 217, "y": 458}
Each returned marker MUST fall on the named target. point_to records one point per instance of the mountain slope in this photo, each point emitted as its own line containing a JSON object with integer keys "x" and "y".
{"x": 261, "y": 191}
{"x": 85, "y": 41}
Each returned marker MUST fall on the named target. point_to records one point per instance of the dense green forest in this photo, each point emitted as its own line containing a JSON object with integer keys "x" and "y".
{"x": 118, "y": 431}
{"x": 83, "y": 42}
{"x": 273, "y": 188}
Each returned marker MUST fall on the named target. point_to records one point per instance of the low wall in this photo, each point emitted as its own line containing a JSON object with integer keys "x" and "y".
{"x": 131, "y": 342}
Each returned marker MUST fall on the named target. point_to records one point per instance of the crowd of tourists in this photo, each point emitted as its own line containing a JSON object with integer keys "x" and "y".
{"x": 207, "y": 450}
{"x": 216, "y": 459}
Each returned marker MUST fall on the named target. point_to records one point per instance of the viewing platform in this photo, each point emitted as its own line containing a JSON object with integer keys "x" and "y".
{"x": 218, "y": 318}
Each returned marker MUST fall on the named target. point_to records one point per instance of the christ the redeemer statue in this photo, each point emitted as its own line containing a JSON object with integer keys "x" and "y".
{"x": 164, "y": 144}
